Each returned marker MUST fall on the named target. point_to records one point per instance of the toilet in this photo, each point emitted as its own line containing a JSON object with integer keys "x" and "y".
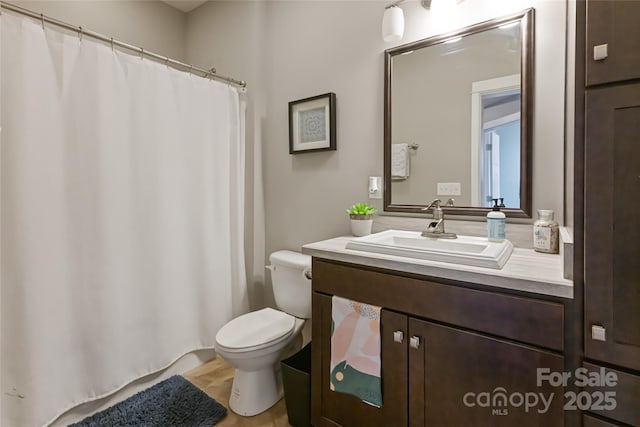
{"x": 254, "y": 343}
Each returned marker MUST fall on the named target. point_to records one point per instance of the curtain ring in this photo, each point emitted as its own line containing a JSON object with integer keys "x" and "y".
{"x": 111, "y": 44}
{"x": 190, "y": 69}
{"x": 141, "y": 53}
{"x": 213, "y": 70}
{"x": 42, "y": 19}
{"x": 166, "y": 61}
{"x": 80, "y": 32}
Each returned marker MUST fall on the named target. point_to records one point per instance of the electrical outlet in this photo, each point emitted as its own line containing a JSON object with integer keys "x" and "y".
{"x": 375, "y": 187}
{"x": 449, "y": 189}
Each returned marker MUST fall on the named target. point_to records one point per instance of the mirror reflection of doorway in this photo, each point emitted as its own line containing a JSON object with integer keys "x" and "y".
{"x": 500, "y": 148}
{"x": 495, "y": 141}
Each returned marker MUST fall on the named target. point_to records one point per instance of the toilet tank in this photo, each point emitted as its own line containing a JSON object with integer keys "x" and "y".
{"x": 291, "y": 286}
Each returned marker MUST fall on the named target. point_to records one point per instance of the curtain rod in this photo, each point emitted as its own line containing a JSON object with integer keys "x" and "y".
{"x": 143, "y": 53}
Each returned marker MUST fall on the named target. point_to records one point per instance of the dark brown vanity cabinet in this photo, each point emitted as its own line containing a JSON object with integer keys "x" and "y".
{"x": 612, "y": 202}
{"x": 463, "y": 354}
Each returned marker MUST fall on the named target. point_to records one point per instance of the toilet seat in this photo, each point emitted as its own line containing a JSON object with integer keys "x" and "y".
{"x": 255, "y": 330}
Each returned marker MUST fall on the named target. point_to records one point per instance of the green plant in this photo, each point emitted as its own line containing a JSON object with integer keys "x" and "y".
{"x": 361, "y": 209}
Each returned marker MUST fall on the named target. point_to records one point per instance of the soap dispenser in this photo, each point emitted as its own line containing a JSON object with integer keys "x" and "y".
{"x": 495, "y": 223}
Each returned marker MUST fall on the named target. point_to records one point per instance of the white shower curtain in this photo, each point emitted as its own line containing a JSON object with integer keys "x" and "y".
{"x": 121, "y": 215}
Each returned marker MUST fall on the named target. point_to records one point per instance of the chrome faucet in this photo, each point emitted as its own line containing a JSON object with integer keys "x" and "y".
{"x": 435, "y": 227}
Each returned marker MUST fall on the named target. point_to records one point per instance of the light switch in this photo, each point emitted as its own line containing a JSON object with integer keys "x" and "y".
{"x": 598, "y": 333}
{"x": 600, "y": 52}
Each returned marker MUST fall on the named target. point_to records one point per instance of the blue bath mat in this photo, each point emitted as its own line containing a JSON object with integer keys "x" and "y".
{"x": 170, "y": 403}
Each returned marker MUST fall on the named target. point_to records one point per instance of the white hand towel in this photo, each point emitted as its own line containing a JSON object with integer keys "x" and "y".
{"x": 400, "y": 161}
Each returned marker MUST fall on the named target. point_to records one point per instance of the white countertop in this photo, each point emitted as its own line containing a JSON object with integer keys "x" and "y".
{"x": 526, "y": 270}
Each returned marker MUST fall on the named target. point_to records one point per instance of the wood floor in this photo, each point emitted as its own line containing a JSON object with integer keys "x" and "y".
{"x": 215, "y": 378}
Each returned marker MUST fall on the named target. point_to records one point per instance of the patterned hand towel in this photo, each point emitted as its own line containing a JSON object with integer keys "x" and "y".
{"x": 355, "y": 350}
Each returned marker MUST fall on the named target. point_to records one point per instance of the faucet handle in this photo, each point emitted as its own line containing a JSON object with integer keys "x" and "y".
{"x": 435, "y": 203}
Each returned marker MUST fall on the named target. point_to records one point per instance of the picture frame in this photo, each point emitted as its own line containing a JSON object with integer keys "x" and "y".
{"x": 312, "y": 124}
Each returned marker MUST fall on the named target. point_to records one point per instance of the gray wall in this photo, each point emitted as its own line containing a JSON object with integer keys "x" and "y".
{"x": 153, "y": 25}
{"x": 288, "y": 50}
{"x": 318, "y": 47}
{"x": 312, "y": 47}
{"x": 570, "y": 109}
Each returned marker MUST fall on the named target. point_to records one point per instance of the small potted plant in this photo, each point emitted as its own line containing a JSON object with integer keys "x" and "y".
{"x": 361, "y": 221}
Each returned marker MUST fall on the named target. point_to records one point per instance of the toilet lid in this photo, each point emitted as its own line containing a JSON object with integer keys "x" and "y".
{"x": 255, "y": 329}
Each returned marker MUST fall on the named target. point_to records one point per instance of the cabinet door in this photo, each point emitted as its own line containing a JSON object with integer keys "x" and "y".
{"x": 613, "y": 23}
{"x": 460, "y": 378}
{"x": 330, "y": 408}
{"x": 612, "y": 225}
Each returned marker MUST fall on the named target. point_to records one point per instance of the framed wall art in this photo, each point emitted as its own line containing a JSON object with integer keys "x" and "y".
{"x": 312, "y": 124}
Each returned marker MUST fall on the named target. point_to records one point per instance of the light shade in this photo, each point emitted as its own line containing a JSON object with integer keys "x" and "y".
{"x": 393, "y": 24}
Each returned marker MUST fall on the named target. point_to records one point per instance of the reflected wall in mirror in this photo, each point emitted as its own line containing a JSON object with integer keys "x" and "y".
{"x": 458, "y": 119}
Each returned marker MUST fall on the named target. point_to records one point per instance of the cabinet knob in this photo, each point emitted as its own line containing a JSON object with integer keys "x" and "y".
{"x": 598, "y": 333}
{"x": 414, "y": 342}
{"x": 600, "y": 52}
{"x": 398, "y": 336}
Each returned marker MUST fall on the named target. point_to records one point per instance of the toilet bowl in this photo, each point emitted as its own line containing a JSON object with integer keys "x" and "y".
{"x": 255, "y": 342}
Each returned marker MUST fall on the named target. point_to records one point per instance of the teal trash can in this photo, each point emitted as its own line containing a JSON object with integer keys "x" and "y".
{"x": 296, "y": 381}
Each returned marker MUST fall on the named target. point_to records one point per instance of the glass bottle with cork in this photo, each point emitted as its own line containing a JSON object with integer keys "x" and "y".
{"x": 546, "y": 233}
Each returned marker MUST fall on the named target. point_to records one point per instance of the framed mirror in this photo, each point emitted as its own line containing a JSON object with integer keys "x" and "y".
{"x": 458, "y": 119}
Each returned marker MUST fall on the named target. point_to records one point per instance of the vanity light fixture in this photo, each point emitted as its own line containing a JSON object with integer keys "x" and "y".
{"x": 393, "y": 21}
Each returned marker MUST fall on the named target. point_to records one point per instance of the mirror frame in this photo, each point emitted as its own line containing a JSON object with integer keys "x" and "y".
{"x": 526, "y": 114}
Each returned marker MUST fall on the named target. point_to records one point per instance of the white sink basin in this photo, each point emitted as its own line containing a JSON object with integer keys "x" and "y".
{"x": 467, "y": 250}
